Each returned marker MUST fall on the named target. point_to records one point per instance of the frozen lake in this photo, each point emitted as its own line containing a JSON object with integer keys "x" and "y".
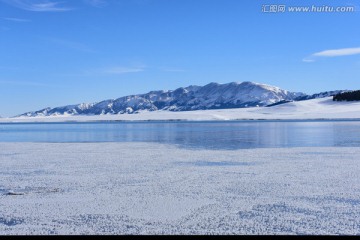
{"x": 245, "y": 177}
{"x": 149, "y": 188}
{"x": 230, "y": 135}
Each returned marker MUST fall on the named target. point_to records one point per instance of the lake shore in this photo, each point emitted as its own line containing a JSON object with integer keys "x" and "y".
{"x": 148, "y": 188}
{"x": 315, "y": 109}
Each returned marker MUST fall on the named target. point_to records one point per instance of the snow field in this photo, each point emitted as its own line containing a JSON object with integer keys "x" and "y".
{"x": 147, "y": 188}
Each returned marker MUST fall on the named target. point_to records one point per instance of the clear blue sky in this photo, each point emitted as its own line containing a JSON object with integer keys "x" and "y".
{"x": 56, "y": 53}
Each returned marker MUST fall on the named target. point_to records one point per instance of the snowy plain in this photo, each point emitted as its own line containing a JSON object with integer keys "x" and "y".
{"x": 322, "y": 108}
{"x": 148, "y": 188}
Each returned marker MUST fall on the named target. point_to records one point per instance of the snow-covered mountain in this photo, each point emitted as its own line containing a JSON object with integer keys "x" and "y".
{"x": 211, "y": 96}
{"x": 309, "y": 97}
{"x": 320, "y": 95}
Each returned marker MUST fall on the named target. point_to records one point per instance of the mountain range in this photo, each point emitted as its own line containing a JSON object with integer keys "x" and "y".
{"x": 210, "y": 96}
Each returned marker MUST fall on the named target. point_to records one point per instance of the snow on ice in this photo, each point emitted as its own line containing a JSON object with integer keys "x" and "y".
{"x": 147, "y": 188}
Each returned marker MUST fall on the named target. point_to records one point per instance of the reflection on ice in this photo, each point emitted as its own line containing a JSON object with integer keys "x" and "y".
{"x": 194, "y": 135}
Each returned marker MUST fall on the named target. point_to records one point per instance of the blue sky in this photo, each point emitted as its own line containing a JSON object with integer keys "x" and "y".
{"x": 56, "y": 53}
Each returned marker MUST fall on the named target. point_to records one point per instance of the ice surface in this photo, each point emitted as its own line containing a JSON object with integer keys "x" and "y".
{"x": 147, "y": 188}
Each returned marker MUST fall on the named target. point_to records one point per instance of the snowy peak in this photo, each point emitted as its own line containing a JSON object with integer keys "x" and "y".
{"x": 210, "y": 96}
{"x": 246, "y": 94}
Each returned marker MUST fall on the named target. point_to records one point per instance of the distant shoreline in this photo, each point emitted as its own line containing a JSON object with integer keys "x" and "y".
{"x": 323, "y": 109}
{"x": 186, "y": 121}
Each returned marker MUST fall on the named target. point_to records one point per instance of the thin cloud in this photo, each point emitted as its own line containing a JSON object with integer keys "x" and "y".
{"x": 96, "y": 3}
{"x": 38, "y": 5}
{"x": 23, "y": 83}
{"x": 169, "y": 69}
{"x": 113, "y": 70}
{"x": 16, "y": 19}
{"x": 333, "y": 53}
{"x": 338, "y": 52}
{"x": 123, "y": 70}
{"x": 72, "y": 45}
{"x": 308, "y": 60}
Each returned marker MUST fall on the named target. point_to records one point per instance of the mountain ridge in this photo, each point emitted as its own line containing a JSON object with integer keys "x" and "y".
{"x": 211, "y": 96}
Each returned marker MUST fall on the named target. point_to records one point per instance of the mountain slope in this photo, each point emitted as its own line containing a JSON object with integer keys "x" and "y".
{"x": 320, "y": 95}
{"x": 314, "y": 109}
{"x": 211, "y": 96}
{"x": 310, "y": 97}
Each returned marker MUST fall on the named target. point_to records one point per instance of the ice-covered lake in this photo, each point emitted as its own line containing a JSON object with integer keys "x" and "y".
{"x": 264, "y": 177}
{"x": 203, "y": 135}
{"x": 149, "y": 188}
